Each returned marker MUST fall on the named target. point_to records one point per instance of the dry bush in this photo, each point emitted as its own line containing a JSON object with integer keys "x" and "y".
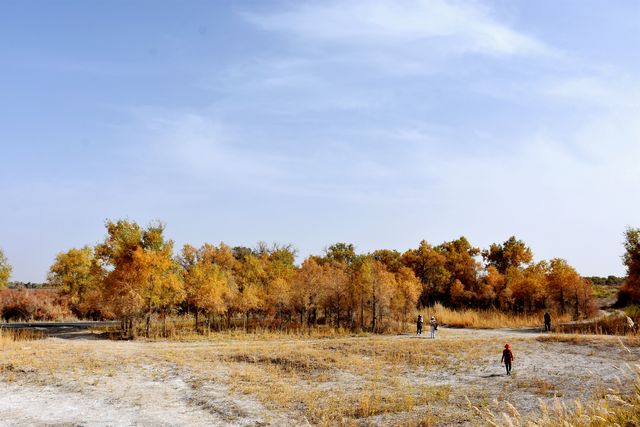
{"x": 8, "y": 335}
{"x": 485, "y": 319}
{"x": 32, "y": 304}
{"x": 609, "y": 325}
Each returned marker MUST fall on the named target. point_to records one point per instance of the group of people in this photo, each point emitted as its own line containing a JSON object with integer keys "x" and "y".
{"x": 507, "y": 353}
{"x": 433, "y": 323}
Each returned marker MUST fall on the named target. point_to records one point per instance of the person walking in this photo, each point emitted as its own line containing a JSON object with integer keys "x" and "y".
{"x": 434, "y": 326}
{"x": 419, "y": 324}
{"x": 507, "y": 358}
{"x": 547, "y": 322}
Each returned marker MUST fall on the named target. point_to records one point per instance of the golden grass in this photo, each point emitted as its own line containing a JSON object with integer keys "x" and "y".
{"x": 12, "y": 335}
{"x": 609, "y": 325}
{"x": 485, "y": 319}
{"x": 601, "y": 340}
{"x": 605, "y": 291}
{"x": 613, "y": 409}
{"x": 369, "y": 380}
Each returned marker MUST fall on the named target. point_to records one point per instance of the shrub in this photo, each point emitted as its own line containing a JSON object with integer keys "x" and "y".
{"x": 32, "y": 304}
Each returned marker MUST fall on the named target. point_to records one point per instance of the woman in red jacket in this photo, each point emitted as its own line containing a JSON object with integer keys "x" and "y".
{"x": 507, "y": 358}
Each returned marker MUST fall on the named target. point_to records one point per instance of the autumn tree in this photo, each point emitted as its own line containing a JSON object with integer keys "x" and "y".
{"x": 163, "y": 287}
{"x": 343, "y": 256}
{"x": 381, "y": 290}
{"x": 72, "y": 273}
{"x": 460, "y": 261}
{"x": 335, "y": 281}
{"x": 279, "y": 261}
{"x": 563, "y": 284}
{"x": 141, "y": 274}
{"x": 307, "y": 291}
{"x": 458, "y": 296}
{"x": 251, "y": 278}
{"x": 391, "y": 259}
{"x": 528, "y": 286}
{"x": 405, "y": 294}
{"x": 512, "y": 253}
{"x": 494, "y": 289}
{"x": 630, "y": 291}
{"x": 208, "y": 281}
{"x": 5, "y": 270}
{"x": 429, "y": 266}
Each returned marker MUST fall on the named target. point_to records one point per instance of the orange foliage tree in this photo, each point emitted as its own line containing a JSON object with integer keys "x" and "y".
{"x": 133, "y": 275}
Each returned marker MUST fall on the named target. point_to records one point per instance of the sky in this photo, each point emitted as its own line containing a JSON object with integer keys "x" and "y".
{"x": 380, "y": 123}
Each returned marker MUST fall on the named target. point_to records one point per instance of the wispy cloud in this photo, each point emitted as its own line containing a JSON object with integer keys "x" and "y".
{"x": 447, "y": 26}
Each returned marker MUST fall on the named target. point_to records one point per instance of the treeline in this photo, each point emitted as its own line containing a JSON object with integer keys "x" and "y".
{"x": 26, "y": 285}
{"x": 135, "y": 274}
{"x": 606, "y": 281}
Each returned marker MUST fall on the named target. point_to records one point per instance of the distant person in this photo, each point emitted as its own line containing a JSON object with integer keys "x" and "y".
{"x": 547, "y": 322}
{"x": 434, "y": 326}
{"x": 419, "y": 324}
{"x": 507, "y": 358}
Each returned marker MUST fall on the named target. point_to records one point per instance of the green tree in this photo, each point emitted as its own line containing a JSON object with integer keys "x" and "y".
{"x": 5, "y": 270}
{"x": 341, "y": 252}
{"x": 511, "y": 253}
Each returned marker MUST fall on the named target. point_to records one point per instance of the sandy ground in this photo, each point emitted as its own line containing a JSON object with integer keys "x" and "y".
{"x": 104, "y": 383}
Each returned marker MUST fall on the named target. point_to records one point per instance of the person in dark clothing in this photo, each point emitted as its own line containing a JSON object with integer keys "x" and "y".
{"x": 547, "y": 322}
{"x": 419, "y": 324}
{"x": 507, "y": 358}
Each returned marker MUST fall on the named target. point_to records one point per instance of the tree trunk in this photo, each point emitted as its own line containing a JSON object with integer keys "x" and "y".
{"x": 164, "y": 324}
{"x": 148, "y": 324}
{"x": 373, "y": 317}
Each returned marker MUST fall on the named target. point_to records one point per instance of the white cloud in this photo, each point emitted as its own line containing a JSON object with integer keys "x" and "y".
{"x": 454, "y": 26}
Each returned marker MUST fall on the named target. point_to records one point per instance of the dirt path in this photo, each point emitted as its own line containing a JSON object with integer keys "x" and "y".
{"x": 158, "y": 395}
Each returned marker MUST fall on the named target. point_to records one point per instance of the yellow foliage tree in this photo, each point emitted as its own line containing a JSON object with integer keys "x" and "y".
{"x": 72, "y": 273}
{"x": 5, "y": 270}
{"x": 209, "y": 286}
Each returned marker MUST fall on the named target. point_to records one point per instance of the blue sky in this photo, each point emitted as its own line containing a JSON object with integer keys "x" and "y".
{"x": 379, "y": 123}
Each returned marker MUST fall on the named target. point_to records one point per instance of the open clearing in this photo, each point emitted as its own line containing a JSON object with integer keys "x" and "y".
{"x": 370, "y": 380}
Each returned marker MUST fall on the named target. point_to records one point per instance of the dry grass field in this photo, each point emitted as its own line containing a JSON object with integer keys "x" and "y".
{"x": 252, "y": 380}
